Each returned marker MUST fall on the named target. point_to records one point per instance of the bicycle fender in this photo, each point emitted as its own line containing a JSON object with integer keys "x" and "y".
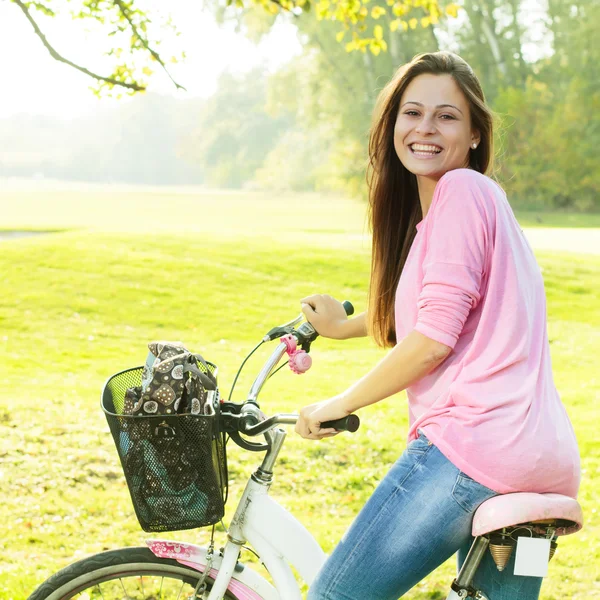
{"x": 246, "y": 584}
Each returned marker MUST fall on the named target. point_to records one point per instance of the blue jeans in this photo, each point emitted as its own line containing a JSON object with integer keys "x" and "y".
{"x": 417, "y": 518}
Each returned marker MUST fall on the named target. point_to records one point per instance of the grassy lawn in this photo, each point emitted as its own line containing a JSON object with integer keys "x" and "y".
{"x": 216, "y": 271}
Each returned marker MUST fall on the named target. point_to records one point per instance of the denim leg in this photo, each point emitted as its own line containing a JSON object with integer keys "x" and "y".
{"x": 419, "y": 516}
{"x": 501, "y": 585}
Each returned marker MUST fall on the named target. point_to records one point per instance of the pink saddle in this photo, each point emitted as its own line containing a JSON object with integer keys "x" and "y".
{"x": 508, "y": 510}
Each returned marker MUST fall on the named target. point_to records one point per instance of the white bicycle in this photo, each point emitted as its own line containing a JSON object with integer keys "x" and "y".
{"x": 173, "y": 570}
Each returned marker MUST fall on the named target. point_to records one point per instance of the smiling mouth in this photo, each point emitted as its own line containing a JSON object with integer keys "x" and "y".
{"x": 425, "y": 150}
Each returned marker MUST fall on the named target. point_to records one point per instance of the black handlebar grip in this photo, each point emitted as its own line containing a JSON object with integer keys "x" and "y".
{"x": 350, "y": 423}
{"x": 348, "y": 307}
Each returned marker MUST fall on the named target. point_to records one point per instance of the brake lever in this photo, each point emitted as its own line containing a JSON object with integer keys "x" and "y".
{"x": 284, "y": 329}
{"x": 252, "y": 446}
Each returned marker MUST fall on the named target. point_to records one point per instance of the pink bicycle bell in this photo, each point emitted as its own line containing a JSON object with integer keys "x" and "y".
{"x": 300, "y": 361}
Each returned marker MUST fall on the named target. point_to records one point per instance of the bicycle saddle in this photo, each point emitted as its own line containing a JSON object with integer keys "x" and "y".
{"x": 508, "y": 510}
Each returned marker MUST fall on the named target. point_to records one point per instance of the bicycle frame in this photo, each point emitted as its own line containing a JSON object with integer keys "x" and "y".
{"x": 281, "y": 541}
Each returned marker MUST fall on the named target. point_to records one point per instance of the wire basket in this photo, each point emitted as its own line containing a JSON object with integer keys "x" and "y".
{"x": 175, "y": 465}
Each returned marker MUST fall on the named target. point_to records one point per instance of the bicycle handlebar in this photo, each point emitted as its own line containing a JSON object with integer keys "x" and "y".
{"x": 350, "y": 423}
{"x": 249, "y": 420}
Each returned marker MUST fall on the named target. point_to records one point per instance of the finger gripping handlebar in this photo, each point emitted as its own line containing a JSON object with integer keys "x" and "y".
{"x": 350, "y": 423}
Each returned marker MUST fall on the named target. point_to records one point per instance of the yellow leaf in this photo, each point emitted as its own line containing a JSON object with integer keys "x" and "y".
{"x": 363, "y": 12}
{"x": 339, "y": 36}
{"x": 404, "y": 25}
{"x": 425, "y": 22}
{"x": 413, "y": 23}
{"x": 147, "y": 71}
{"x": 375, "y": 49}
{"x": 378, "y": 32}
{"x": 399, "y": 9}
{"x": 377, "y": 11}
{"x": 350, "y": 46}
{"x": 394, "y": 25}
{"x": 383, "y": 45}
{"x": 452, "y": 10}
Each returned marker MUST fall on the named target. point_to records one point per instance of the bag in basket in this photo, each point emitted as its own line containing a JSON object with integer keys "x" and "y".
{"x": 168, "y": 438}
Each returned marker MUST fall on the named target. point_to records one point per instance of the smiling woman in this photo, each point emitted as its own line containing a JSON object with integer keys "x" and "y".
{"x": 457, "y": 295}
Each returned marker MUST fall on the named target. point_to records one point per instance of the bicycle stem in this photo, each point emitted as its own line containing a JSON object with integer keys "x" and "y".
{"x": 265, "y": 372}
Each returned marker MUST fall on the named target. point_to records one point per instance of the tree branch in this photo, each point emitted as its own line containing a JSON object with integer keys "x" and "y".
{"x": 131, "y": 86}
{"x": 125, "y": 12}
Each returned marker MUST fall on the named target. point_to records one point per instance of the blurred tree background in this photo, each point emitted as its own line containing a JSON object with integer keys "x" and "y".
{"x": 305, "y": 127}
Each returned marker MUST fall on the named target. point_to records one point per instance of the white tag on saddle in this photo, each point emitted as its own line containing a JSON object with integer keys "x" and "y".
{"x": 532, "y": 557}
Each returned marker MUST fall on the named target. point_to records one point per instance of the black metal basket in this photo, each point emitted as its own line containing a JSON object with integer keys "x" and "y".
{"x": 175, "y": 465}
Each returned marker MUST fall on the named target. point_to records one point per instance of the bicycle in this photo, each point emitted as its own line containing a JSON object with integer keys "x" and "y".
{"x": 170, "y": 569}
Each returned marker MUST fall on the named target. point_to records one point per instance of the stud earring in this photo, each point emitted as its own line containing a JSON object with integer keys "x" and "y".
{"x": 474, "y": 145}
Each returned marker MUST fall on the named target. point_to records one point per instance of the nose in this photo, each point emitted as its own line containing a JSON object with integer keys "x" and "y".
{"x": 426, "y": 125}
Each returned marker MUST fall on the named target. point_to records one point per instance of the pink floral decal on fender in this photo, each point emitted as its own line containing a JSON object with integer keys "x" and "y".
{"x": 176, "y": 550}
{"x": 194, "y": 557}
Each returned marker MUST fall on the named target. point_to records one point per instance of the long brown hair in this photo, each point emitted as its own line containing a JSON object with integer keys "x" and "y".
{"x": 394, "y": 206}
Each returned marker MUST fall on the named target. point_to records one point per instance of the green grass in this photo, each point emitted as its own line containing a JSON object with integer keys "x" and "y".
{"x": 217, "y": 272}
{"x": 557, "y": 219}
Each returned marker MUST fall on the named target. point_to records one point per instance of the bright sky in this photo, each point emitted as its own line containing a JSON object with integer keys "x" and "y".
{"x": 33, "y": 82}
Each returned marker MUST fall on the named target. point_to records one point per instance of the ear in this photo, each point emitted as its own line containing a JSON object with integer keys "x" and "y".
{"x": 475, "y": 137}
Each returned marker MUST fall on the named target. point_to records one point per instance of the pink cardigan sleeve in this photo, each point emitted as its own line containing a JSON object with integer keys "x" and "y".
{"x": 457, "y": 230}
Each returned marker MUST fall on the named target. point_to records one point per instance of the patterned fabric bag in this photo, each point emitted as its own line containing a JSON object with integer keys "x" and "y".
{"x": 172, "y": 382}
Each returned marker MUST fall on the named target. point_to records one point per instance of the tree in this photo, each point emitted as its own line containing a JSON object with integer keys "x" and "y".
{"x": 135, "y": 38}
{"x": 233, "y": 134}
{"x": 125, "y": 24}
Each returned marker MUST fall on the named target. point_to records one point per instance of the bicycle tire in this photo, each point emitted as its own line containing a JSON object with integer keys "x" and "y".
{"x": 91, "y": 573}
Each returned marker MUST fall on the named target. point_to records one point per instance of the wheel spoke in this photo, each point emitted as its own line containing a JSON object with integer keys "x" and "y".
{"x": 124, "y": 590}
{"x": 179, "y": 594}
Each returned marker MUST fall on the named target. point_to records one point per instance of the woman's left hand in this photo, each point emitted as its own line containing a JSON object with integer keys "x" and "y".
{"x": 311, "y": 417}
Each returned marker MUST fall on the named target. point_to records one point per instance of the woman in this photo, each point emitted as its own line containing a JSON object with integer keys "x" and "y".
{"x": 457, "y": 295}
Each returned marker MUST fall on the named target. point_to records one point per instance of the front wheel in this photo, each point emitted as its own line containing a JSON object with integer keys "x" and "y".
{"x": 131, "y": 573}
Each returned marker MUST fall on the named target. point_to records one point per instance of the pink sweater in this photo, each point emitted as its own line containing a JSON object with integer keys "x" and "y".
{"x": 471, "y": 282}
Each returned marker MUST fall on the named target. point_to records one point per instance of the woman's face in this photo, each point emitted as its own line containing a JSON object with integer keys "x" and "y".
{"x": 433, "y": 132}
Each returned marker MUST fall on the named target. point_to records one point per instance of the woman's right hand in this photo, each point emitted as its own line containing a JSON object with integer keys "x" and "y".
{"x": 327, "y": 315}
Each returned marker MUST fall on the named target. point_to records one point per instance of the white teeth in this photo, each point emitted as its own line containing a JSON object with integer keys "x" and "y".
{"x": 424, "y": 148}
